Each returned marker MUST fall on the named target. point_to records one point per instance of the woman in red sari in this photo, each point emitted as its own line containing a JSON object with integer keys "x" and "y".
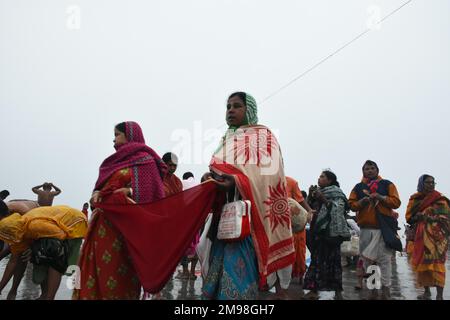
{"x": 133, "y": 174}
{"x": 429, "y": 213}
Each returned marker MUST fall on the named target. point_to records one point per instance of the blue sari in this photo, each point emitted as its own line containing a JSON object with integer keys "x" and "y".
{"x": 233, "y": 272}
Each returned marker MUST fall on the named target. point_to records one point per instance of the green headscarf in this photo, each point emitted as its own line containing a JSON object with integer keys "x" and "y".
{"x": 252, "y": 110}
{"x": 251, "y": 116}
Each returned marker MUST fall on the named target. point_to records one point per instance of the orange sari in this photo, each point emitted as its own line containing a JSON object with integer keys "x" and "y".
{"x": 429, "y": 250}
{"x": 299, "y": 267}
{"x": 172, "y": 185}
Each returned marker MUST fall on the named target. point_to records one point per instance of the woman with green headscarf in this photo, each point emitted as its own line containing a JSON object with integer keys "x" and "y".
{"x": 249, "y": 162}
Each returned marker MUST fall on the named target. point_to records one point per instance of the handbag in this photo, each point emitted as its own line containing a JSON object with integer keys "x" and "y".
{"x": 204, "y": 248}
{"x": 234, "y": 224}
{"x": 389, "y": 226}
{"x": 299, "y": 216}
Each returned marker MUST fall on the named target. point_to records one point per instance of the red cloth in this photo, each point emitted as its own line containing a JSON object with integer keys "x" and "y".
{"x": 107, "y": 271}
{"x": 419, "y": 245}
{"x": 429, "y": 200}
{"x": 158, "y": 234}
{"x": 148, "y": 168}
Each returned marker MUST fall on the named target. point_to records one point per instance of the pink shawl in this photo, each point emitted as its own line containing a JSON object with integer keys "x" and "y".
{"x": 147, "y": 167}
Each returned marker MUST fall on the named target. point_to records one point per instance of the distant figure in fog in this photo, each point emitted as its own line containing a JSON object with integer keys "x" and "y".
{"x": 46, "y": 195}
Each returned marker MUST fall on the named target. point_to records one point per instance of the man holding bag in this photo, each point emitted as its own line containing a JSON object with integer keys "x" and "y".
{"x": 374, "y": 199}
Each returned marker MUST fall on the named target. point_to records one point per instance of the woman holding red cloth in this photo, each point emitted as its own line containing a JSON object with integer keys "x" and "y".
{"x": 249, "y": 162}
{"x": 133, "y": 174}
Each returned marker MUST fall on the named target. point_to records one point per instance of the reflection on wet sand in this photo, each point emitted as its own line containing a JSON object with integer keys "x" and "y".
{"x": 403, "y": 286}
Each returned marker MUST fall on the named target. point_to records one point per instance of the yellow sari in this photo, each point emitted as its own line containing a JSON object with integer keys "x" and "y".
{"x": 60, "y": 222}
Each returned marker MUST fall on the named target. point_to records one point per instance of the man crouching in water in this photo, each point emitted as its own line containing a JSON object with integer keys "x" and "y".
{"x": 50, "y": 236}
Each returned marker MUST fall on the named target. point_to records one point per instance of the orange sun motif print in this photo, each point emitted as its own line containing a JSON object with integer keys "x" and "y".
{"x": 254, "y": 148}
{"x": 278, "y": 206}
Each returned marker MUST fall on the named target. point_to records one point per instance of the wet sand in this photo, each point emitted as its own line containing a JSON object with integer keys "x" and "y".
{"x": 403, "y": 286}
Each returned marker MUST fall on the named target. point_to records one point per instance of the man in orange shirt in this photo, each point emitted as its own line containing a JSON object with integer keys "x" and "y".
{"x": 374, "y": 194}
{"x": 299, "y": 268}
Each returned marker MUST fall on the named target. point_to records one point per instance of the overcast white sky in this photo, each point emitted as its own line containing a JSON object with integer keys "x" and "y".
{"x": 170, "y": 66}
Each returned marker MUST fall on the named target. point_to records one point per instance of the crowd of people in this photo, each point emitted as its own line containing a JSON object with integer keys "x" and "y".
{"x": 247, "y": 167}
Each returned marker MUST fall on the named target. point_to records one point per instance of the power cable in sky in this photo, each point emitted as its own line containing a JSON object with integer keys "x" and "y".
{"x": 333, "y": 53}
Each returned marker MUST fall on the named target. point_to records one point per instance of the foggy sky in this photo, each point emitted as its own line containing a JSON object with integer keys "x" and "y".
{"x": 170, "y": 66}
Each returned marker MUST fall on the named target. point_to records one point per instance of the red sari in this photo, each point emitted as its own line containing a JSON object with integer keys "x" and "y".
{"x": 107, "y": 269}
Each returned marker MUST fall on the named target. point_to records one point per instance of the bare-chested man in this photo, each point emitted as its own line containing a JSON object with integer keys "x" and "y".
{"x": 46, "y": 195}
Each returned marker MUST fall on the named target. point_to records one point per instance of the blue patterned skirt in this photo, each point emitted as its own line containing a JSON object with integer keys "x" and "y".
{"x": 233, "y": 271}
